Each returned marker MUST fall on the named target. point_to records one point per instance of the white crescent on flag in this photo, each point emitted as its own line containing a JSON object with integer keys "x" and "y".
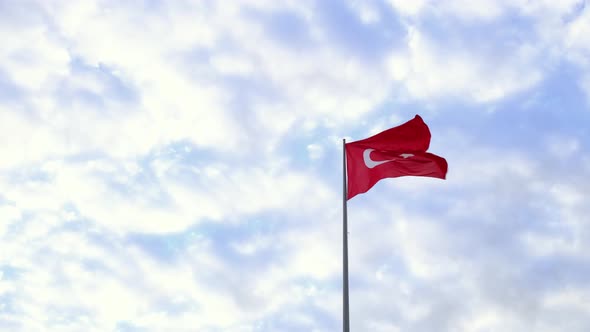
{"x": 370, "y": 163}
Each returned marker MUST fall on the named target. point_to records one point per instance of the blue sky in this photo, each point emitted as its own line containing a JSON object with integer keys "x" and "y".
{"x": 176, "y": 165}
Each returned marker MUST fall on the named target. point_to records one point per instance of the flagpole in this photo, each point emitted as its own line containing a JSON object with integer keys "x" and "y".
{"x": 345, "y": 306}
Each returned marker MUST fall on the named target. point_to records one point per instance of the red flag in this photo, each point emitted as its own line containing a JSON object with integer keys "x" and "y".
{"x": 398, "y": 151}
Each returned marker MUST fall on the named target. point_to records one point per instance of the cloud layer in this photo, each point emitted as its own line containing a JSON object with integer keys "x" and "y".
{"x": 175, "y": 166}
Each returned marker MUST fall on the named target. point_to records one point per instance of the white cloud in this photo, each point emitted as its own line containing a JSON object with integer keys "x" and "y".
{"x": 95, "y": 280}
{"x": 367, "y": 10}
{"x": 427, "y": 70}
{"x": 578, "y": 31}
{"x": 9, "y": 214}
{"x": 32, "y": 57}
{"x": 124, "y": 203}
{"x": 558, "y": 30}
{"x": 229, "y": 64}
{"x": 576, "y": 47}
{"x": 315, "y": 151}
{"x": 408, "y": 7}
{"x": 171, "y": 106}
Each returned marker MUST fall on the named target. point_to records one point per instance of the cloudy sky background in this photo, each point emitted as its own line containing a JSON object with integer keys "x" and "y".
{"x": 176, "y": 165}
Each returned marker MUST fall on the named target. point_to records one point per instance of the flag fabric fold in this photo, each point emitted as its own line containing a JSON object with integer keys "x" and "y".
{"x": 395, "y": 152}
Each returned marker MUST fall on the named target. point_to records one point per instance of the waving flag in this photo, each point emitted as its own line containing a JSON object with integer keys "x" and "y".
{"x": 398, "y": 151}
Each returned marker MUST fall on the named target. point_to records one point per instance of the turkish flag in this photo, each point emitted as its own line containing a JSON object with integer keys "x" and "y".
{"x": 398, "y": 151}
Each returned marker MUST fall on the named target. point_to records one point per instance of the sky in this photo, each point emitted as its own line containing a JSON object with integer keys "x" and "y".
{"x": 176, "y": 165}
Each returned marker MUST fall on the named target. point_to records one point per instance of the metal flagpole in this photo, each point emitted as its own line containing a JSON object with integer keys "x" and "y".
{"x": 345, "y": 307}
